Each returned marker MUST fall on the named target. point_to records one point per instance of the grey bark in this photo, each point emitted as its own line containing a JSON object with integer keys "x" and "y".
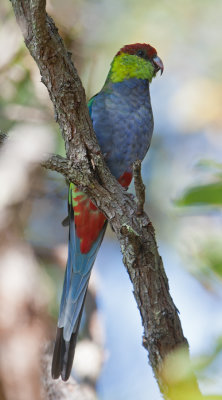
{"x": 85, "y": 167}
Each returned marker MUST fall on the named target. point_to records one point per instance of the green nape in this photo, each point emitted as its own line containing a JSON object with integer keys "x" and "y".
{"x": 127, "y": 66}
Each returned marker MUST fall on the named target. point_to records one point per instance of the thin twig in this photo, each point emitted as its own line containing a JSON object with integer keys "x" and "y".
{"x": 139, "y": 187}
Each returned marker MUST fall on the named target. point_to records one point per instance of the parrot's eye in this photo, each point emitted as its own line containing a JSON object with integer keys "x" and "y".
{"x": 141, "y": 53}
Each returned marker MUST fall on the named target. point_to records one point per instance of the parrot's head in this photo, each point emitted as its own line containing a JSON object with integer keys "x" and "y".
{"x": 135, "y": 61}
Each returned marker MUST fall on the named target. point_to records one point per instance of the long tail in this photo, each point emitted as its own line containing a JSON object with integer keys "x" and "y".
{"x": 87, "y": 226}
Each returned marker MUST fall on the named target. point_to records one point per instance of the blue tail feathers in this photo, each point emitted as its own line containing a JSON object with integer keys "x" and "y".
{"x": 76, "y": 281}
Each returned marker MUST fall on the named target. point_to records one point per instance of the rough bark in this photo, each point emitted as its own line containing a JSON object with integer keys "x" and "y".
{"x": 85, "y": 167}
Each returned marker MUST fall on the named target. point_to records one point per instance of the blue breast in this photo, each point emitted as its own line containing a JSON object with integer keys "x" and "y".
{"x": 123, "y": 122}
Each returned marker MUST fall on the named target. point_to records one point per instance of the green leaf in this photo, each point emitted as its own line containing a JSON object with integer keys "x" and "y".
{"x": 202, "y": 195}
{"x": 211, "y": 256}
{"x": 209, "y": 164}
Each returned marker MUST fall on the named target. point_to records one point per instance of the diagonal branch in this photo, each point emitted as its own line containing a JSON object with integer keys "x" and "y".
{"x": 85, "y": 167}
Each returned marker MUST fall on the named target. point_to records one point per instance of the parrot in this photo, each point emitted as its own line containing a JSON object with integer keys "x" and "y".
{"x": 122, "y": 119}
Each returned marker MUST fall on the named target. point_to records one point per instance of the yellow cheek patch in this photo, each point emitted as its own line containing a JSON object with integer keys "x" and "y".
{"x": 127, "y": 66}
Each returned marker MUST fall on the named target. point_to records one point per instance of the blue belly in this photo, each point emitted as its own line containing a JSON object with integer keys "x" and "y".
{"x": 123, "y": 122}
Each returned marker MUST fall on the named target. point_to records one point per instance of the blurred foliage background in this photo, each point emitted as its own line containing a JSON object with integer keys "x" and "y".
{"x": 182, "y": 172}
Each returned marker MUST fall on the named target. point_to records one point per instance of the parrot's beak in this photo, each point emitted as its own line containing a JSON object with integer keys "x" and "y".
{"x": 158, "y": 64}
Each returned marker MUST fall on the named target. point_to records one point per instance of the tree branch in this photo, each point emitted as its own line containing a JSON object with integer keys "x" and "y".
{"x": 139, "y": 187}
{"x": 86, "y": 168}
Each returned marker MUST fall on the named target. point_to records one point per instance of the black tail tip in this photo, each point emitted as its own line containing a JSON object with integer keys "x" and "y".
{"x": 63, "y": 356}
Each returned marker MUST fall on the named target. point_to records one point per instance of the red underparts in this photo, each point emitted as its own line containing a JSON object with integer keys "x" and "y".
{"x": 88, "y": 219}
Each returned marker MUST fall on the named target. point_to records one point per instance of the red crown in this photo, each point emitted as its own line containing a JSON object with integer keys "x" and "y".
{"x": 134, "y": 48}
